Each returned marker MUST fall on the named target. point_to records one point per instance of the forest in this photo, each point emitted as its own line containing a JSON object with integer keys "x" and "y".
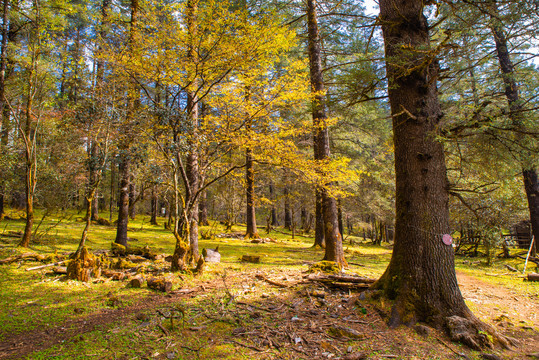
{"x": 268, "y": 179}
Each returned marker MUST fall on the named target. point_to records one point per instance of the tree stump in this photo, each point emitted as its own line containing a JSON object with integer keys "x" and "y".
{"x": 83, "y": 266}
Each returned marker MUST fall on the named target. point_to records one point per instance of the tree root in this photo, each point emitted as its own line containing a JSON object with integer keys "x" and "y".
{"x": 474, "y": 333}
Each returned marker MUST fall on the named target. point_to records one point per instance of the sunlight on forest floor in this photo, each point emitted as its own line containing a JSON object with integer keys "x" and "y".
{"x": 229, "y": 312}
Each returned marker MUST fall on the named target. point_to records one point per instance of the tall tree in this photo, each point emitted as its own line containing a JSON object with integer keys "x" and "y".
{"x": 124, "y": 169}
{"x": 334, "y": 249}
{"x": 421, "y": 274}
{"x": 529, "y": 171}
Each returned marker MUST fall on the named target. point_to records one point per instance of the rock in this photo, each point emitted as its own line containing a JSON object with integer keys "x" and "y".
{"x": 212, "y": 256}
{"x": 342, "y": 331}
{"x": 422, "y": 330}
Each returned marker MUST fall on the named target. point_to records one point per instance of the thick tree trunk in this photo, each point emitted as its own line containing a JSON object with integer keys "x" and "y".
{"x": 421, "y": 274}
{"x": 333, "y": 239}
{"x": 252, "y": 231}
{"x": 529, "y": 172}
{"x": 123, "y": 203}
{"x": 3, "y": 119}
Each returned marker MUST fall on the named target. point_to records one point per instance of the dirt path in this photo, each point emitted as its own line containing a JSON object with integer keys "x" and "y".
{"x": 512, "y": 314}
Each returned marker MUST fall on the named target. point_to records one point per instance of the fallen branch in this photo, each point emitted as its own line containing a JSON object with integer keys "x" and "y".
{"x": 269, "y": 281}
{"x": 46, "y": 266}
{"x": 25, "y": 256}
{"x": 247, "y": 346}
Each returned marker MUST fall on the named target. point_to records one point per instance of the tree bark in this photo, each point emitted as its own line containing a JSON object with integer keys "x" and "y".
{"x": 4, "y": 116}
{"x": 123, "y": 203}
{"x": 334, "y": 249}
{"x": 529, "y": 172}
{"x": 287, "y": 213}
{"x": 274, "y": 220}
{"x": 421, "y": 274}
{"x": 252, "y": 231}
{"x": 203, "y": 209}
{"x": 154, "y": 203}
{"x": 319, "y": 238}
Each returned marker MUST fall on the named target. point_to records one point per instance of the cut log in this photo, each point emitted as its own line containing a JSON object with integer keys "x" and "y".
{"x": 533, "y": 277}
{"x": 160, "y": 284}
{"x": 114, "y": 275}
{"x": 251, "y": 259}
{"x": 137, "y": 281}
{"x": 62, "y": 270}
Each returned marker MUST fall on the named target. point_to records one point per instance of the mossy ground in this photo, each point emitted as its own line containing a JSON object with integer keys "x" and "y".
{"x": 226, "y": 313}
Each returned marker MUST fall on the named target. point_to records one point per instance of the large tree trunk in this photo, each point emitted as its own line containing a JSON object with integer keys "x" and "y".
{"x": 123, "y": 203}
{"x": 3, "y": 119}
{"x": 529, "y": 172}
{"x": 332, "y": 236}
{"x": 252, "y": 231}
{"x": 421, "y": 274}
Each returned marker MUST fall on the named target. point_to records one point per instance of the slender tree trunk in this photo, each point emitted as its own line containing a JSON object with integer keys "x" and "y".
{"x": 252, "y": 231}
{"x": 123, "y": 203}
{"x": 334, "y": 249}
{"x": 421, "y": 274}
{"x": 132, "y": 198}
{"x": 203, "y": 209}
{"x": 319, "y": 238}
{"x": 154, "y": 203}
{"x": 287, "y": 214}
{"x": 113, "y": 200}
{"x": 274, "y": 220}
{"x": 529, "y": 172}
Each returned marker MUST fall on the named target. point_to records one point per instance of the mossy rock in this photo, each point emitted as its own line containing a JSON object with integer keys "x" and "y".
{"x": 118, "y": 249}
{"x": 122, "y": 264}
{"x": 328, "y": 267}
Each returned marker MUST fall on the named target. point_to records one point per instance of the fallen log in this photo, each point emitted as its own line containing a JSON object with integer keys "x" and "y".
{"x": 137, "y": 281}
{"x": 533, "y": 277}
{"x": 25, "y": 256}
{"x": 344, "y": 282}
{"x": 159, "y": 284}
{"x": 251, "y": 259}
